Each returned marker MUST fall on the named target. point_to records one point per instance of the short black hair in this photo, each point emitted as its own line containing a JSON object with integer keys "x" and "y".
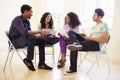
{"x": 74, "y": 20}
{"x": 25, "y": 7}
{"x": 99, "y": 12}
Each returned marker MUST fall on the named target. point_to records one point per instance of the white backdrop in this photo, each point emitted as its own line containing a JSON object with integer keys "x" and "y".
{"x": 11, "y": 8}
{"x": 8, "y": 10}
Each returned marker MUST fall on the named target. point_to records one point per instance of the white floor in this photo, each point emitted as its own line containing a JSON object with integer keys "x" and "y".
{"x": 18, "y": 71}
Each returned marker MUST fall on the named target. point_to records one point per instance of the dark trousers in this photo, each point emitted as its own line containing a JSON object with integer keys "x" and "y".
{"x": 88, "y": 45}
{"x": 30, "y": 43}
{"x": 51, "y": 41}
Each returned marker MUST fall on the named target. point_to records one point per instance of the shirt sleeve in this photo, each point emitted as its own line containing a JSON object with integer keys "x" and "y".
{"x": 39, "y": 26}
{"x": 76, "y": 30}
{"x": 19, "y": 26}
{"x": 53, "y": 28}
{"x": 104, "y": 28}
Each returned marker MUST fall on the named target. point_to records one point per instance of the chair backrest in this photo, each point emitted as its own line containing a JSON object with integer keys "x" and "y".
{"x": 108, "y": 39}
{"x": 9, "y": 41}
{"x": 103, "y": 48}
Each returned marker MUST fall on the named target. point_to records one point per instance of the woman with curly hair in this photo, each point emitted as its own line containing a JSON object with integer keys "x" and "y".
{"x": 46, "y": 26}
{"x": 71, "y": 24}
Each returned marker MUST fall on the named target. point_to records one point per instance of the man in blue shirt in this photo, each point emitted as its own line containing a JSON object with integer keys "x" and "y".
{"x": 21, "y": 35}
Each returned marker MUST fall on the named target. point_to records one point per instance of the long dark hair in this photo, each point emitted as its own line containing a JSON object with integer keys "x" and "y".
{"x": 42, "y": 21}
{"x": 74, "y": 20}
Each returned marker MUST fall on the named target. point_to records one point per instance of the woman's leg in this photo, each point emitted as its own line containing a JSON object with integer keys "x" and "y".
{"x": 51, "y": 40}
{"x": 63, "y": 45}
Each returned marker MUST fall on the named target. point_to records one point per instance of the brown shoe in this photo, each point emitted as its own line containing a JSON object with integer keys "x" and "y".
{"x": 61, "y": 65}
{"x": 61, "y": 60}
{"x": 74, "y": 47}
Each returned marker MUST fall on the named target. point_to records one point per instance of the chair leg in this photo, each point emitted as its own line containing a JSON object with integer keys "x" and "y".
{"x": 53, "y": 55}
{"x": 11, "y": 58}
{"x": 35, "y": 55}
{"x": 83, "y": 60}
{"x": 24, "y": 53}
{"x": 19, "y": 55}
{"x": 97, "y": 58}
{"x": 80, "y": 57}
{"x": 6, "y": 60}
{"x": 92, "y": 66}
{"x": 108, "y": 63}
{"x": 58, "y": 58}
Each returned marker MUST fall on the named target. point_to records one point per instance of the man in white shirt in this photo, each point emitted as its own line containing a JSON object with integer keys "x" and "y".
{"x": 99, "y": 35}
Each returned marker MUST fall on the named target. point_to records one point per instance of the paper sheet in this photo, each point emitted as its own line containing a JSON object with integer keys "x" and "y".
{"x": 63, "y": 32}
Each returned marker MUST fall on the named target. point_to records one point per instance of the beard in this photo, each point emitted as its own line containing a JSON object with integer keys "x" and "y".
{"x": 29, "y": 17}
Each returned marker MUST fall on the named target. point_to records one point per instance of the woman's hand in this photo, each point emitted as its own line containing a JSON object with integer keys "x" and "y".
{"x": 66, "y": 38}
{"x": 44, "y": 36}
{"x": 52, "y": 36}
{"x": 59, "y": 34}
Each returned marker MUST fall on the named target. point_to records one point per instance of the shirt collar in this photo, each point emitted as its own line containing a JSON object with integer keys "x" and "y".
{"x": 25, "y": 21}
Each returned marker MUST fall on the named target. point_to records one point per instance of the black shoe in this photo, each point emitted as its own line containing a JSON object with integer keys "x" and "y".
{"x": 29, "y": 64}
{"x": 70, "y": 71}
{"x": 44, "y": 66}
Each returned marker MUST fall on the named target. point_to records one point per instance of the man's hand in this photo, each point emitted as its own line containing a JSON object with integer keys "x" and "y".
{"x": 87, "y": 37}
{"x": 44, "y": 36}
{"x": 34, "y": 32}
{"x": 41, "y": 35}
{"x": 83, "y": 35}
{"x": 38, "y": 35}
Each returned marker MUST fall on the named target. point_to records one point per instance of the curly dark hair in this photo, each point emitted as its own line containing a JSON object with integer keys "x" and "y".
{"x": 42, "y": 21}
{"x": 74, "y": 20}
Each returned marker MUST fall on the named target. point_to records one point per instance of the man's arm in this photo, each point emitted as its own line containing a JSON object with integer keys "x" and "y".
{"x": 103, "y": 39}
{"x": 18, "y": 24}
{"x": 34, "y": 32}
